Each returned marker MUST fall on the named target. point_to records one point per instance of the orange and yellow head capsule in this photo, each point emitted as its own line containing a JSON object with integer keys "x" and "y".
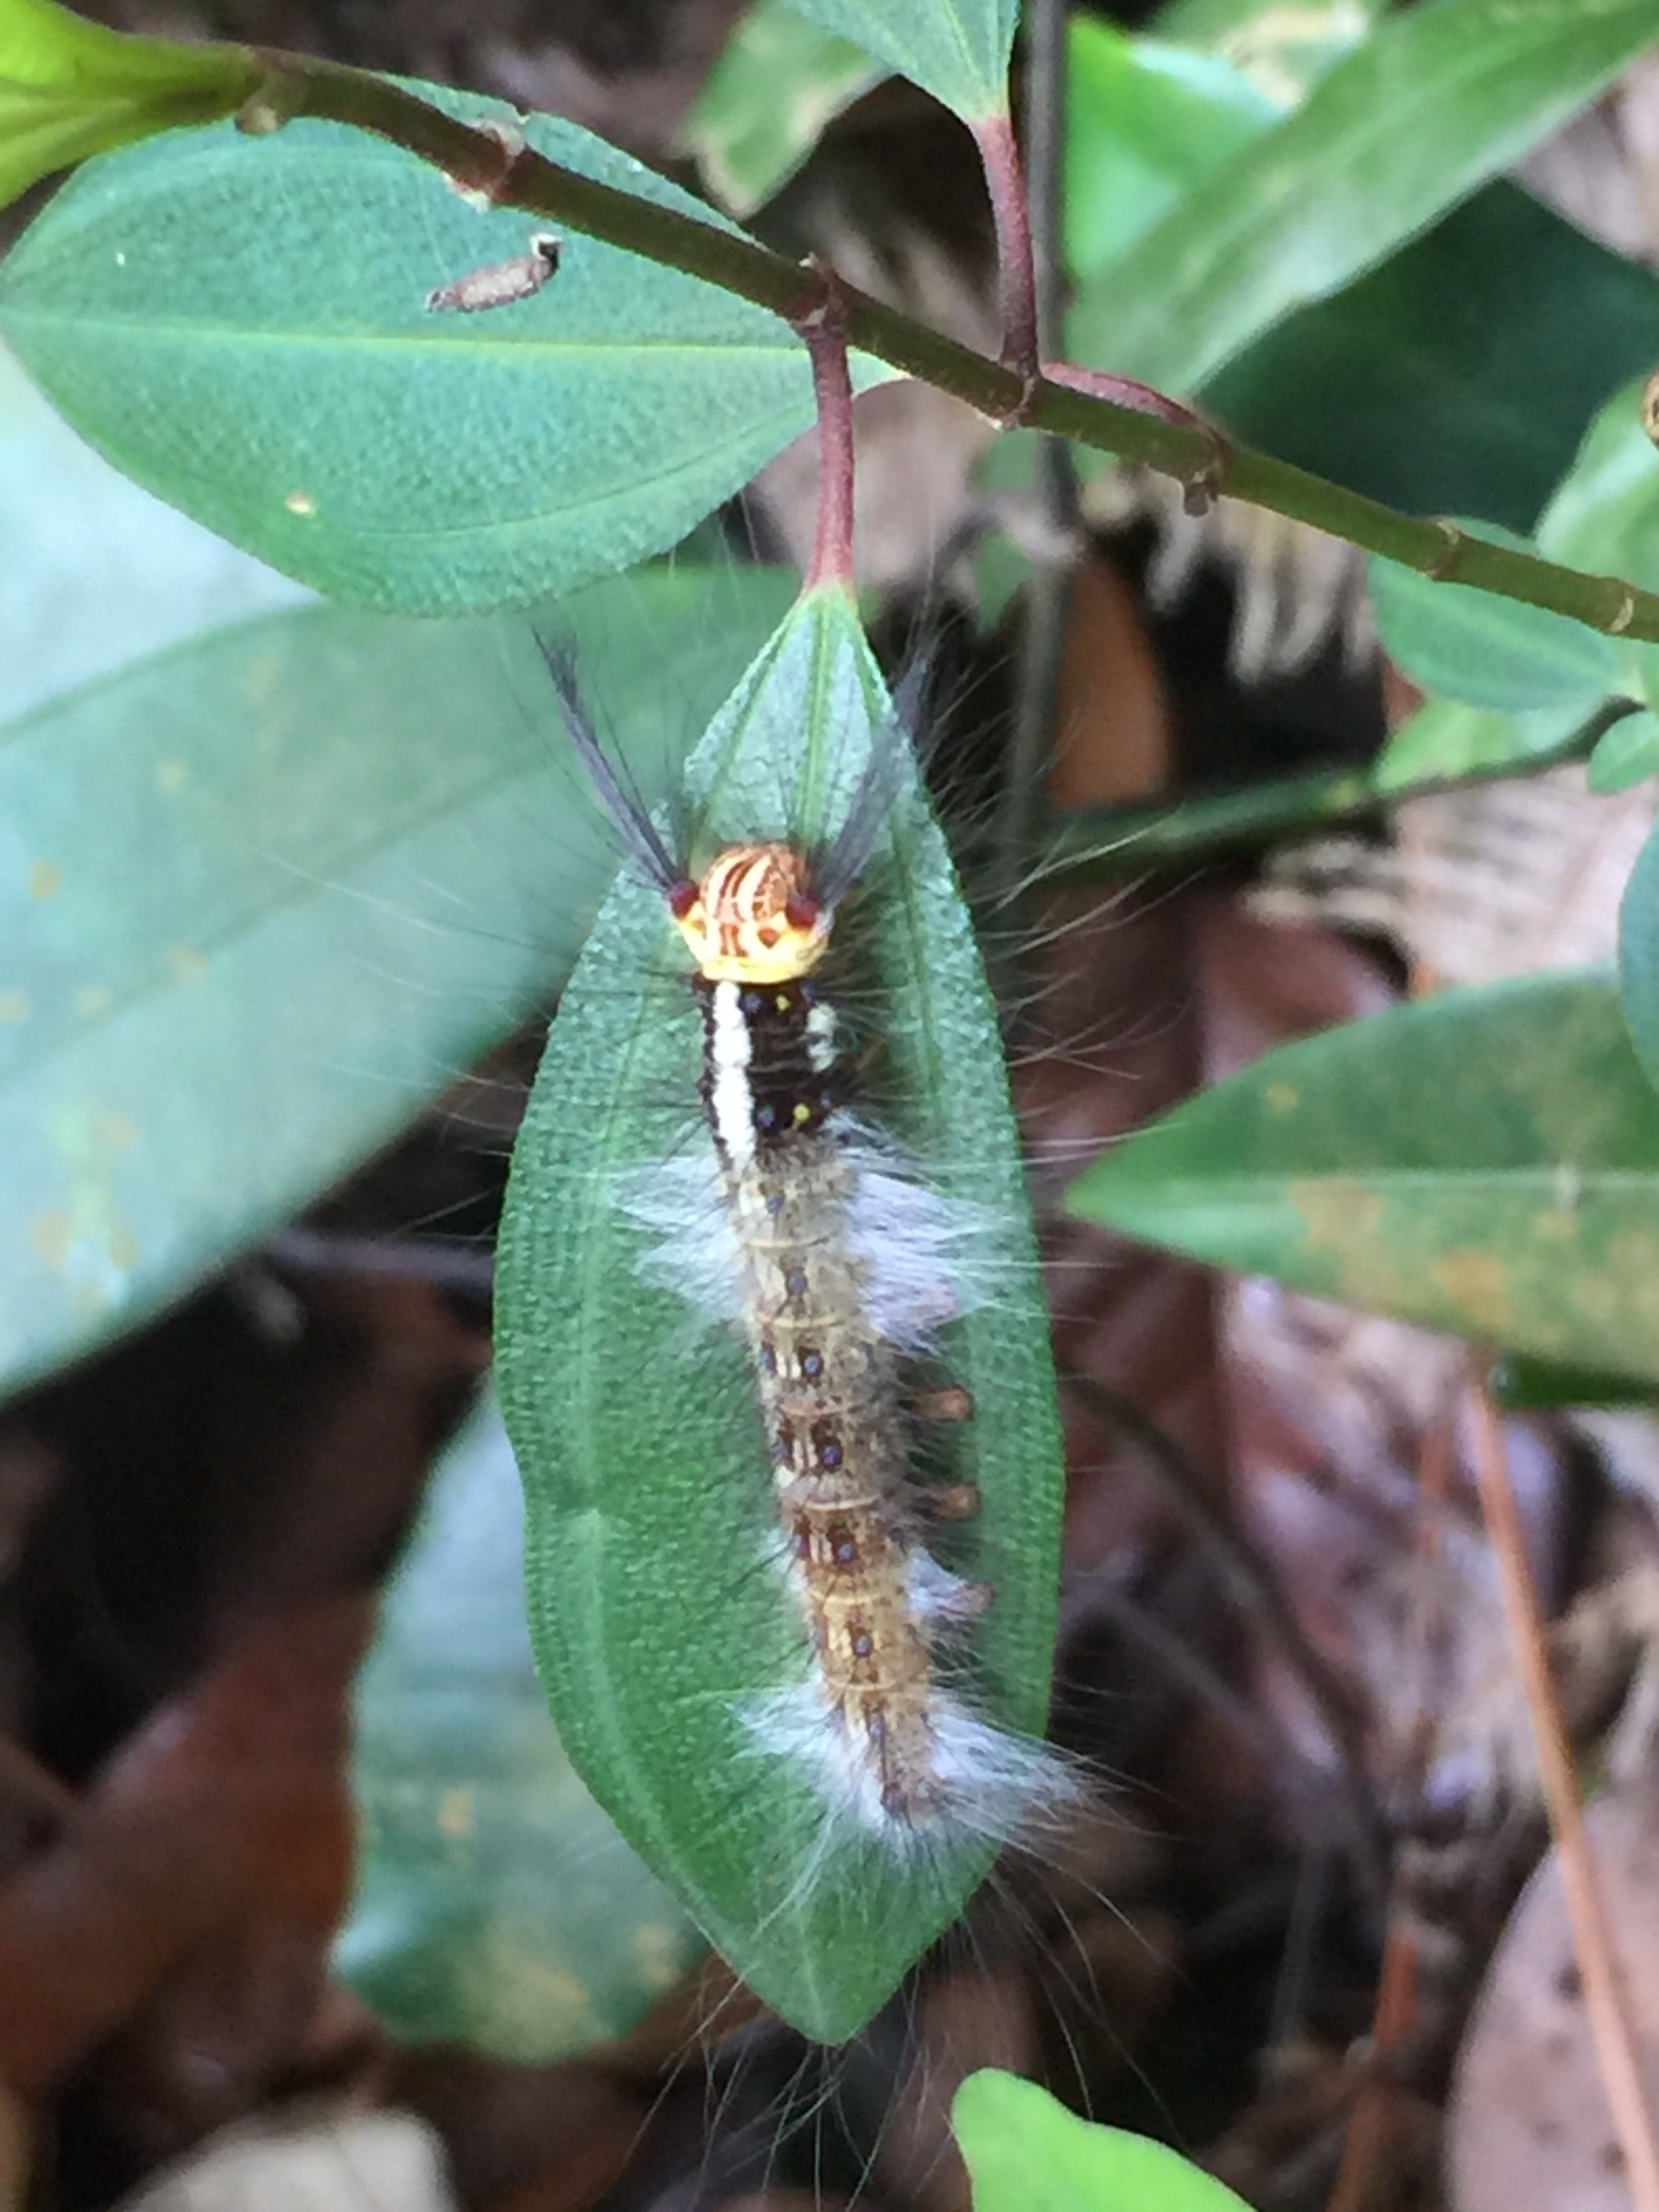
{"x": 753, "y": 916}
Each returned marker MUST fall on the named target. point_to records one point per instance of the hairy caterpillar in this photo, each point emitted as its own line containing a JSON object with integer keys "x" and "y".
{"x": 823, "y": 1781}
{"x": 838, "y": 1266}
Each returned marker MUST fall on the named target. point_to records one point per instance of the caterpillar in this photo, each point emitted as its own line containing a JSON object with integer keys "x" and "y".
{"x": 795, "y": 1224}
{"x": 841, "y": 1267}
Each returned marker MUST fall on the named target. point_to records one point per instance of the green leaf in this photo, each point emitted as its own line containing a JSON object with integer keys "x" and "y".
{"x": 1543, "y": 1386}
{"x": 301, "y": 400}
{"x": 1486, "y": 1161}
{"x": 267, "y": 892}
{"x": 1487, "y": 651}
{"x": 1604, "y": 515}
{"x": 1457, "y": 378}
{"x": 1145, "y": 124}
{"x": 1436, "y": 101}
{"x": 1026, "y": 2153}
{"x": 1639, "y": 955}
{"x": 69, "y": 88}
{"x": 775, "y": 89}
{"x": 95, "y": 572}
{"x": 1446, "y": 738}
{"x": 1628, "y": 754}
{"x": 496, "y": 1907}
{"x": 654, "y": 1606}
{"x": 1284, "y": 49}
{"x": 958, "y": 50}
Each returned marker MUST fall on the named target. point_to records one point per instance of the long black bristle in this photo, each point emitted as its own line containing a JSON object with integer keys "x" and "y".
{"x": 883, "y": 778}
{"x": 637, "y": 830}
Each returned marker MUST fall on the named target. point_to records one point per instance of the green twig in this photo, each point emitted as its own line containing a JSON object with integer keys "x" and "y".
{"x": 498, "y": 165}
{"x": 1109, "y": 843}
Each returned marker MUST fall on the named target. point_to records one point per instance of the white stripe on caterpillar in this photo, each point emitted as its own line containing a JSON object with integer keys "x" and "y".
{"x": 730, "y": 1104}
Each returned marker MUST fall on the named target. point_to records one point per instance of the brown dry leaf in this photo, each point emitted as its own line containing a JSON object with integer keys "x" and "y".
{"x": 522, "y": 2138}
{"x": 164, "y": 1939}
{"x": 1114, "y": 724}
{"x": 1529, "y": 2129}
{"x": 228, "y": 1798}
{"x": 17, "y": 2150}
{"x": 224, "y": 2026}
{"x": 788, "y": 2200}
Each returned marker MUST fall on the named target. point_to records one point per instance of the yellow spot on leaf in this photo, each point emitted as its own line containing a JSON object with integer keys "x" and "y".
{"x": 49, "y": 1233}
{"x": 260, "y": 679}
{"x": 89, "y": 1240}
{"x": 15, "y": 1005}
{"x": 300, "y": 502}
{"x": 455, "y": 1814}
{"x": 171, "y": 775}
{"x": 1556, "y": 1225}
{"x": 189, "y": 962}
{"x": 1597, "y": 1295}
{"x": 1339, "y": 1214}
{"x": 528, "y": 1997}
{"x": 115, "y": 1131}
{"x": 1281, "y": 1097}
{"x": 658, "y": 1954}
{"x": 45, "y": 879}
{"x": 93, "y": 999}
{"x": 1632, "y": 1260}
{"x": 1477, "y": 1285}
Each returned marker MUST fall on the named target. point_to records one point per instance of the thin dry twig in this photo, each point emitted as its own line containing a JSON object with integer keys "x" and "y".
{"x": 1396, "y": 1991}
{"x": 1605, "y": 2002}
{"x": 1365, "y": 2151}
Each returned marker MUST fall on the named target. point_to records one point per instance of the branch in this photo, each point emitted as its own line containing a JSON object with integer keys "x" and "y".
{"x": 511, "y": 174}
{"x": 1016, "y": 277}
{"x": 1107, "y": 844}
{"x": 825, "y": 338}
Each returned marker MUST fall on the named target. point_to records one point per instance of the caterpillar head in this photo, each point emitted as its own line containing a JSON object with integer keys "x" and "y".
{"x": 754, "y": 916}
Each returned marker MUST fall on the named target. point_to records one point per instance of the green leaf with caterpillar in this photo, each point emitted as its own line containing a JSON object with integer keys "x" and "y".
{"x": 655, "y": 1609}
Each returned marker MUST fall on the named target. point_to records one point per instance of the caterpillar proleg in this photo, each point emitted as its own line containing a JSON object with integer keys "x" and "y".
{"x": 811, "y": 1702}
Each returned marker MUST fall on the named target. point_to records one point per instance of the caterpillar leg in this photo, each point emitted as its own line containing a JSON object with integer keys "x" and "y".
{"x": 947, "y": 1501}
{"x": 951, "y": 1403}
{"x": 939, "y": 1595}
